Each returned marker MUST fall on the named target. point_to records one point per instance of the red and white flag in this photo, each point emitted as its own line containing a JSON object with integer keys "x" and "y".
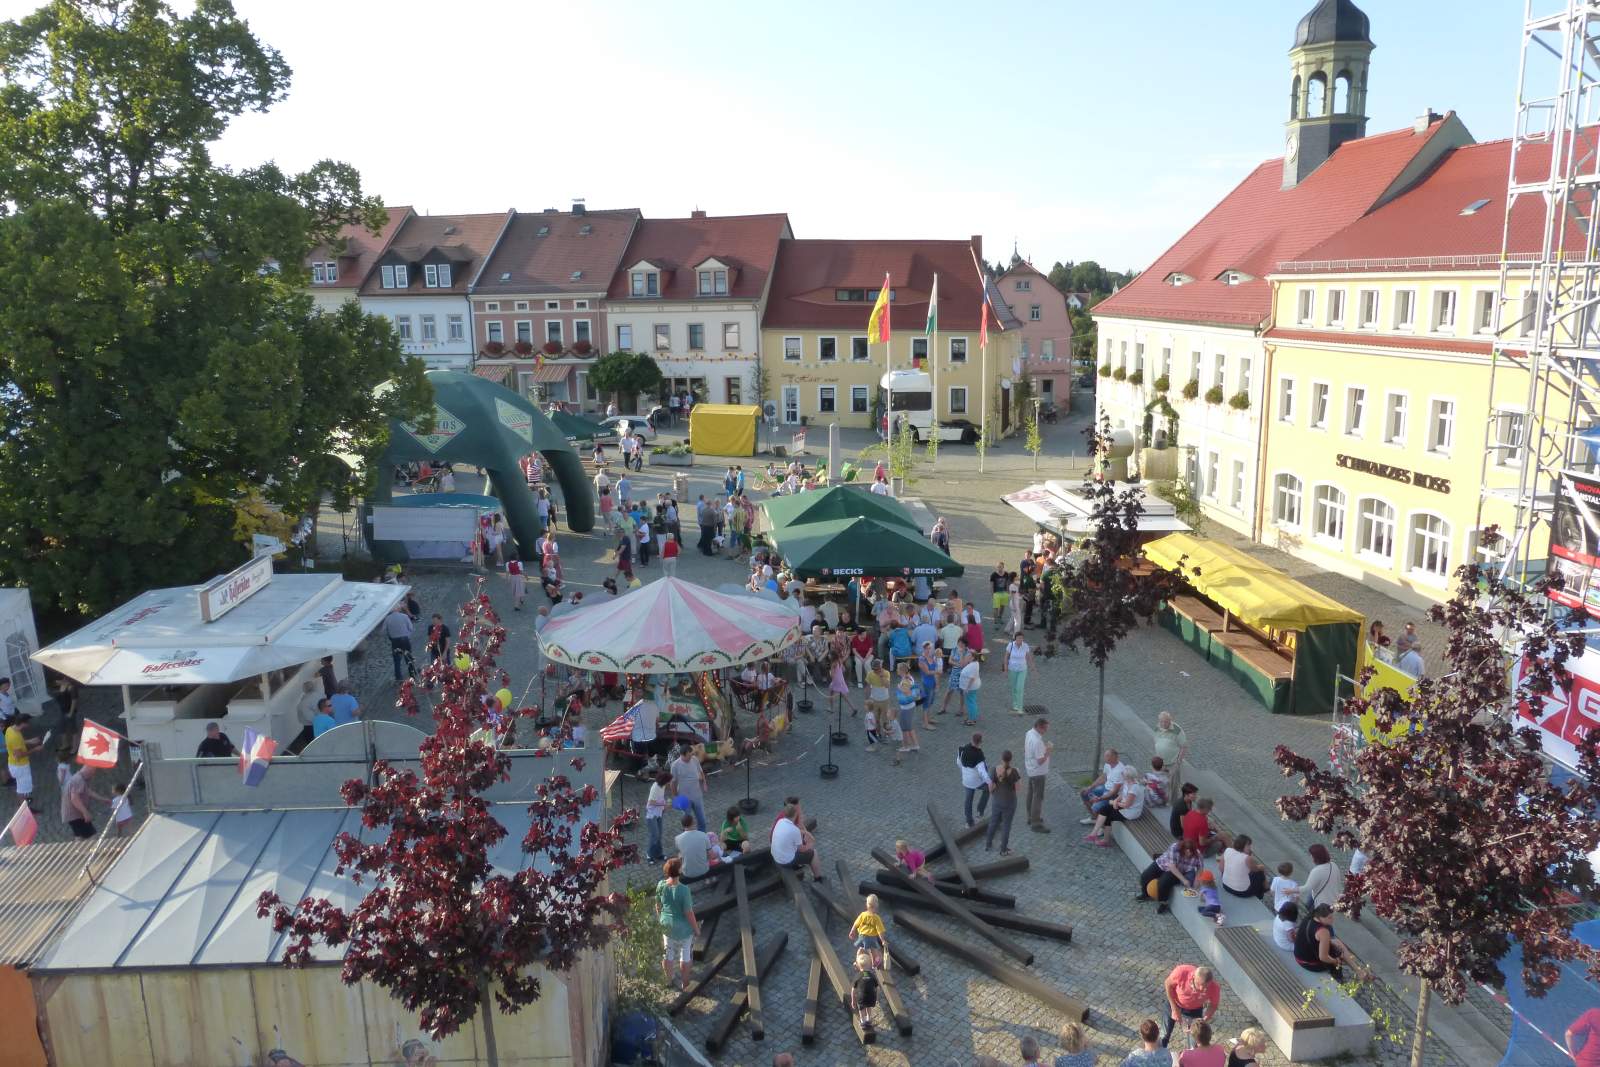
{"x": 23, "y": 827}
{"x": 98, "y": 746}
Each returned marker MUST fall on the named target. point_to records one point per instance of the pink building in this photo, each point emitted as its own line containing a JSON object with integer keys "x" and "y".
{"x": 1041, "y": 312}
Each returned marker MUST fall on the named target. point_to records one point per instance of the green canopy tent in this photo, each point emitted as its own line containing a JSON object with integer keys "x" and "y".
{"x": 837, "y": 502}
{"x": 480, "y": 422}
{"x": 578, "y": 428}
{"x": 842, "y": 548}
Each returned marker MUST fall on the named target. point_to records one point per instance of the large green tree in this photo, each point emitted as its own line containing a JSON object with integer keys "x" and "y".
{"x": 160, "y": 359}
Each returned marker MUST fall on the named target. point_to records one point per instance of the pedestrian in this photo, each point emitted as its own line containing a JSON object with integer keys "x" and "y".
{"x": 344, "y": 705}
{"x": 971, "y": 682}
{"x": 19, "y": 757}
{"x": 1076, "y": 1048}
{"x": 1000, "y": 584}
{"x": 1003, "y": 789}
{"x": 735, "y": 832}
{"x": 75, "y": 802}
{"x": 689, "y": 780}
{"x": 1172, "y": 745}
{"x": 693, "y": 845}
{"x": 1019, "y": 657}
{"x": 215, "y": 744}
{"x": 675, "y": 913}
{"x": 1036, "y": 766}
{"x": 974, "y": 769}
{"x": 397, "y": 626}
{"x": 1192, "y": 993}
{"x": 1126, "y": 806}
{"x": 438, "y": 639}
{"x": 1028, "y": 1049}
{"x": 912, "y": 862}
{"x": 625, "y": 557}
{"x": 1152, "y": 1052}
{"x": 646, "y": 714}
{"x": 519, "y": 584}
{"x": 655, "y": 809}
{"x": 839, "y": 686}
{"x": 1179, "y": 865}
{"x": 1252, "y": 1042}
{"x": 864, "y": 992}
{"x": 929, "y": 666}
{"x": 1113, "y": 773}
{"x": 1242, "y": 874}
{"x": 867, "y": 933}
{"x": 906, "y": 697}
{"x": 792, "y": 845}
{"x": 122, "y": 808}
{"x": 1324, "y": 883}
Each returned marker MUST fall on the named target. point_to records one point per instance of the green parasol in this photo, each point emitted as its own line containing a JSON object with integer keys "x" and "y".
{"x": 836, "y": 502}
{"x": 578, "y": 428}
{"x": 844, "y": 548}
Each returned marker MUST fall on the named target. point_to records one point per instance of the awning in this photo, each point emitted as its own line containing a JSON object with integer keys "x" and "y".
{"x": 842, "y": 548}
{"x": 1247, "y": 587}
{"x": 546, "y": 373}
{"x": 1060, "y": 506}
{"x": 835, "y": 502}
{"x": 494, "y": 372}
{"x": 158, "y": 638}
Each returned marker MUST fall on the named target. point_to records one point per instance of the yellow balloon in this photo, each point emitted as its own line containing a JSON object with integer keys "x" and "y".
{"x": 1152, "y": 890}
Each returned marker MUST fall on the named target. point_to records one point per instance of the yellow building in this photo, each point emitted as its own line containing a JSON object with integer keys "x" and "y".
{"x": 817, "y": 365}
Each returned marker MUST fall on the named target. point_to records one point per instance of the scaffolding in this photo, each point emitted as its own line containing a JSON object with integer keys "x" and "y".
{"x": 1548, "y": 335}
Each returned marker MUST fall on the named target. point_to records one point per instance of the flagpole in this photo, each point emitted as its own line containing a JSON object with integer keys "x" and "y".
{"x": 933, "y": 353}
{"x": 983, "y": 386}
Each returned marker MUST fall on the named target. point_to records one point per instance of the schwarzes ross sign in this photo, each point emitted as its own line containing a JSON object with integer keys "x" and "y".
{"x": 1394, "y": 474}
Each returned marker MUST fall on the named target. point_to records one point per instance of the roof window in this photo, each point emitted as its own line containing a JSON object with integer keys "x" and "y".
{"x": 1475, "y": 207}
{"x": 585, "y": 230}
{"x": 544, "y": 231}
{"x": 576, "y": 275}
{"x": 1177, "y": 278}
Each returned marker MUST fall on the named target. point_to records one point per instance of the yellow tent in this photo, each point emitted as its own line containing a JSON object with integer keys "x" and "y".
{"x": 723, "y": 429}
{"x": 1247, "y": 587}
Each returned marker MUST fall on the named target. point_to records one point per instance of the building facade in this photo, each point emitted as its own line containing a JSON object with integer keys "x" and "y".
{"x": 1044, "y": 332}
{"x": 337, "y": 269}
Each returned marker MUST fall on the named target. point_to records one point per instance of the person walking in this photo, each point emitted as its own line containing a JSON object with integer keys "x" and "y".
{"x": 974, "y": 775}
{"x": 75, "y": 802}
{"x": 1192, "y": 993}
{"x": 1036, "y": 766}
{"x": 1019, "y": 657}
{"x": 839, "y": 685}
{"x": 519, "y": 583}
{"x": 397, "y": 626}
{"x": 1003, "y": 789}
{"x": 689, "y": 780}
{"x": 669, "y": 558}
{"x": 675, "y": 913}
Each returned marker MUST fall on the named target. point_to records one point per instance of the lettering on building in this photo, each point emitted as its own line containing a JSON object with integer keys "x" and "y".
{"x": 1394, "y": 474}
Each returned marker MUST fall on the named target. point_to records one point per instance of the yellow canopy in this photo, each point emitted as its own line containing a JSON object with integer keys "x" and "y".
{"x": 723, "y": 429}
{"x": 1246, "y": 587}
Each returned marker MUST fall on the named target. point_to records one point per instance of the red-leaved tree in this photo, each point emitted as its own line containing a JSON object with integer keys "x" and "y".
{"x": 1469, "y": 844}
{"x": 440, "y": 928}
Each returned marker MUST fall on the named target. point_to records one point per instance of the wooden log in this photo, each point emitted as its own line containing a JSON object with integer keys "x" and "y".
{"x": 1014, "y": 864}
{"x": 838, "y": 977}
{"x": 897, "y": 954}
{"x": 724, "y": 1023}
{"x": 751, "y": 861}
{"x": 719, "y": 961}
{"x": 1013, "y": 977}
{"x": 721, "y": 902}
{"x": 1010, "y": 920}
{"x": 702, "y": 940}
{"x": 965, "y": 837}
{"x": 987, "y": 897}
{"x": 958, "y": 911}
{"x": 836, "y": 904}
{"x": 808, "y": 1023}
{"x": 952, "y": 849}
{"x": 752, "y": 974}
{"x": 891, "y": 998}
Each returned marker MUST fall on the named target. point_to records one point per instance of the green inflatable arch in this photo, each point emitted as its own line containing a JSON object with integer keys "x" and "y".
{"x": 479, "y": 422}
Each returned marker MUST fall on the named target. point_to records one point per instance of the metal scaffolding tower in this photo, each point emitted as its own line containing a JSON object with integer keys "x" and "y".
{"x": 1547, "y": 347}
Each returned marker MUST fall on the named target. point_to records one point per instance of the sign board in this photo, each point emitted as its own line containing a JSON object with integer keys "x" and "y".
{"x": 423, "y": 524}
{"x": 234, "y": 588}
{"x": 797, "y": 443}
{"x": 1575, "y": 542}
{"x": 1565, "y": 717}
{"x": 514, "y": 419}
{"x": 1393, "y": 473}
{"x": 265, "y": 544}
{"x": 446, "y": 427}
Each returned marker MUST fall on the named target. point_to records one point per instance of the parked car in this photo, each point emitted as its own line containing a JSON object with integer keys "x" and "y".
{"x": 639, "y": 424}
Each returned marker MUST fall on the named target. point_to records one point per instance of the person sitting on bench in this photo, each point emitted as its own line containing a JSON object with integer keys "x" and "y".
{"x": 1317, "y": 949}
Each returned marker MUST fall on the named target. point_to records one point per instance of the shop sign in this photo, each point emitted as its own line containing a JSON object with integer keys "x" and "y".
{"x": 1394, "y": 474}
{"x": 446, "y": 427}
{"x": 1566, "y": 717}
{"x": 1575, "y": 542}
{"x": 514, "y": 419}
{"x": 234, "y": 588}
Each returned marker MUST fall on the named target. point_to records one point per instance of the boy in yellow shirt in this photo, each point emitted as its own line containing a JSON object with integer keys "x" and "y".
{"x": 868, "y": 931}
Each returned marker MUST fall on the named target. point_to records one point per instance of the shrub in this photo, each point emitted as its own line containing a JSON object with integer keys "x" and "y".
{"x": 523, "y": 348}
{"x": 1239, "y": 401}
{"x": 672, "y": 450}
{"x": 582, "y": 348}
{"x": 1191, "y": 389}
{"x": 552, "y": 348}
{"x": 1214, "y": 395}
{"x": 1120, "y": 374}
{"x": 1136, "y": 378}
{"x": 1162, "y": 384}
{"x": 1105, "y": 371}
{"x": 494, "y": 348}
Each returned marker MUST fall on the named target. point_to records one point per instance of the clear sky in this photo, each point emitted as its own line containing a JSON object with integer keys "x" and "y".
{"x": 1080, "y": 128}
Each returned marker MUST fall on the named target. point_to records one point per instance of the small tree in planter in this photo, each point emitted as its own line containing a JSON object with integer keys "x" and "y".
{"x": 1214, "y": 395}
{"x": 1191, "y": 389}
{"x": 1239, "y": 401}
{"x": 1034, "y": 441}
{"x": 626, "y": 373}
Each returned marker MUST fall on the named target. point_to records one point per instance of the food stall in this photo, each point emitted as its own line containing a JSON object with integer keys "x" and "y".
{"x": 1283, "y": 641}
{"x": 1063, "y": 508}
{"x": 837, "y": 502}
{"x": 723, "y": 429}
{"x": 236, "y": 650}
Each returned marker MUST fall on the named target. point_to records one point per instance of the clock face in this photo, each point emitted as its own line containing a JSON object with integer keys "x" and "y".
{"x": 1293, "y": 148}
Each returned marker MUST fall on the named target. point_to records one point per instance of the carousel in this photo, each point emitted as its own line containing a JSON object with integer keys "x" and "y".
{"x": 692, "y": 642}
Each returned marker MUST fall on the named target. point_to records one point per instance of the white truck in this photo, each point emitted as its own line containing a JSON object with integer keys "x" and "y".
{"x": 912, "y": 393}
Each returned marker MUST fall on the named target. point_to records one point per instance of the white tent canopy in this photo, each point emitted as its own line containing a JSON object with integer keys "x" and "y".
{"x": 1063, "y": 507}
{"x": 159, "y": 638}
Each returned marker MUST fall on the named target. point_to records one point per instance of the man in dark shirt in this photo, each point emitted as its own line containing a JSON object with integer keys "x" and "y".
{"x": 215, "y": 744}
{"x": 330, "y": 682}
{"x": 1182, "y": 807}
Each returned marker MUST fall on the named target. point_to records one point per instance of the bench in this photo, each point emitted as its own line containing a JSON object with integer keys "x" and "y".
{"x": 1263, "y": 960}
{"x": 1247, "y": 647}
{"x": 1150, "y": 833}
{"x": 1198, "y": 612}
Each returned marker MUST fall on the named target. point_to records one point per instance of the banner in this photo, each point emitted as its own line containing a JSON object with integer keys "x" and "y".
{"x": 1575, "y": 542}
{"x": 797, "y": 443}
{"x": 1567, "y": 717}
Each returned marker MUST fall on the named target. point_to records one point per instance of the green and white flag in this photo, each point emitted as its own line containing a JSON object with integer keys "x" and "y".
{"x": 933, "y": 309}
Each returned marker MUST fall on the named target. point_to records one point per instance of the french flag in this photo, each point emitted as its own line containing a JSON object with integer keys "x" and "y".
{"x": 255, "y": 756}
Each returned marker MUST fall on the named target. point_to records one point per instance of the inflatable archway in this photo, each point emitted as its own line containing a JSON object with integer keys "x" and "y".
{"x": 487, "y": 425}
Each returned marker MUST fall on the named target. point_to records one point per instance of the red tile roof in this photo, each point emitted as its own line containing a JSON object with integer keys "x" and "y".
{"x": 546, "y": 264}
{"x": 359, "y": 248}
{"x": 1426, "y": 223}
{"x": 746, "y": 243}
{"x": 1260, "y": 224}
{"x": 465, "y": 238}
{"x": 808, "y": 272}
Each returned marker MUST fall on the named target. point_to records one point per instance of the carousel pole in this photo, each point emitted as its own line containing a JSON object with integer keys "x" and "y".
{"x": 804, "y": 705}
{"x": 838, "y": 737}
{"x": 829, "y": 769}
{"x": 749, "y": 804}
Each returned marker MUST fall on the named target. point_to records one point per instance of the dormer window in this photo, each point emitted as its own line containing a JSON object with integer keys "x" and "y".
{"x": 325, "y": 272}
{"x": 645, "y": 283}
{"x": 1177, "y": 278}
{"x": 860, "y": 296}
{"x": 713, "y": 283}
{"x": 1235, "y": 277}
{"x": 394, "y": 277}
{"x": 436, "y": 275}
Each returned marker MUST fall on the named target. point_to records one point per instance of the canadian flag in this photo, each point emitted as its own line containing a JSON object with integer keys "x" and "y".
{"x": 98, "y": 746}
{"x": 23, "y": 827}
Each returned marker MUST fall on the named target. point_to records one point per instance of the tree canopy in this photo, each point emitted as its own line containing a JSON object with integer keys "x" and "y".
{"x": 160, "y": 359}
{"x": 630, "y": 373}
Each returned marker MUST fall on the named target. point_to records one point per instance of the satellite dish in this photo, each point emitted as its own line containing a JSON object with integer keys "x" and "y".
{"x": 769, "y": 409}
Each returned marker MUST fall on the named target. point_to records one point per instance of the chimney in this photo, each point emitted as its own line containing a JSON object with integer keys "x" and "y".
{"x": 1424, "y": 120}
{"x": 697, "y": 214}
{"x": 977, "y": 248}
{"x": 577, "y": 206}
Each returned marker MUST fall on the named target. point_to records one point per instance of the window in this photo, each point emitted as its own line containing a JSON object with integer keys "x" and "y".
{"x": 705, "y": 283}
{"x": 1236, "y": 497}
{"x": 552, "y": 330}
{"x": 1367, "y": 315}
{"x": 697, "y": 336}
{"x": 455, "y": 327}
{"x": 624, "y": 337}
{"x": 860, "y": 296}
{"x": 1355, "y": 410}
{"x": 1510, "y": 433}
{"x": 1375, "y": 528}
{"x": 1108, "y": 350}
{"x": 1483, "y": 311}
{"x": 1285, "y": 399}
{"x": 719, "y": 282}
{"x": 1405, "y": 309}
{"x": 494, "y": 305}
{"x": 827, "y": 349}
{"x": 1124, "y": 355}
{"x": 580, "y": 305}
{"x": 1244, "y": 376}
{"x": 1335, "y": 307}
{"x": 319, "y": 271}
{"x": 521, "y": 305}
{"x": 730, "y": 336}
{"x": 645, "y": 283}
{"x": 394, "y": 277}
{"x": 1194, "y": 366}
{"x": 1305, "y": 306}
{"x": 494, "y": 332}
{"x": 1394, "y": 419}
{"x": 1441, "y": 425}
{"x": 1138, "y": 356}
{"x": 859, "y": 349}
{"x": 958, "y": 400}
{"x": 1162, "y": 371}
{"x": 430, "y": 328}
{"x": 580, "y": 331}
{"x": 1327, "y": 512}
{"x": 825, "y": 399}
{"x": 552, "y": 305}
{"x": 1286, "y": 497}
{"x": 1024, "y": 285}
{"x": 1444, "y": 309}
{"x": 1320, "y": 394}
{"x": 663, "y": 333}
{"x": 1221, "y": 368}
{"x": 1530, "y": 311}
{"x": 919, "y": 350}
{"x": 332, "y": 267}
{"x": 858, "y": 400}
{"x": 792, "y": 347}
{"x": 525, "y": 331}
{"x": 1212, "y": 462}
{"x": 436, "y": 275}
{"x": 1430, "y": 545}
{"x": 1034, "y": 312}
{"x": 1047, "y": 349}
{"x": 402, "y": 325}
{"x": 958, "y": 350}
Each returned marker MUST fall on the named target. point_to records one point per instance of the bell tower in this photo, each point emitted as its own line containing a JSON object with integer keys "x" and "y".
{"x": 1328, "y": 87}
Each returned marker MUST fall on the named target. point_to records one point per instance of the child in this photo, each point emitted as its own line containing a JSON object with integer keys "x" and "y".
{"x": 735, "y": 833}
{"x": 122, "y": 809}
{"x": 1284, "y": 889}
{"x": 1157, "y": 782}
{"x": 867, "y": 931}
{"x": 839, "y": 686}
{"x": 864, "y": 991}
{"x": 1210, "y": 903}
{"x": 66, "y": 749}
{"x": 911, "y": 861}
{"x": 871, "y": 723}
{"x": 1283, "y": 927}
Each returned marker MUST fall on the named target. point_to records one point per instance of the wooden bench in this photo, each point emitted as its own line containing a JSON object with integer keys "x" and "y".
{"x": 1198, "y": 612}
{"x": 1249, "y": 648}
{"x": 1151, "y": 833}
{"x": 1264, "y": 963}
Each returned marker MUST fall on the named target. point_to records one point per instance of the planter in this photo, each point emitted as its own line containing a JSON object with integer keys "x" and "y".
{"x": 668, "y": 459}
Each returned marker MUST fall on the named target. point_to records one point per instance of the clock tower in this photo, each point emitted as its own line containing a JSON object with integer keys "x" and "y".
{"x": 1328, "y": 91}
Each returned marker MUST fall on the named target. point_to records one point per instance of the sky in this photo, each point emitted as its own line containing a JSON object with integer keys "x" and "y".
{"x": 1079, "y": 129}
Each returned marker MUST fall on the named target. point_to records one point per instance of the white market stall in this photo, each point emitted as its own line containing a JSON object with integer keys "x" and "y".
{"x": 236, "y": 650}
{"x": 1063, "y": 509}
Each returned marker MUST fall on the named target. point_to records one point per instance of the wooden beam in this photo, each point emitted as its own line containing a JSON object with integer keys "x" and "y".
{"x": 965, "y": 837}
{"x": 1014, "y": 864}
{"x": 719, "y": 961}
{"x": 752, "y": 974}
{"x": 952, "y": 849}
{"x": 1014, "y": 977}
{"x": 955, "y": 889}
{"x": 847, "y": 899}
{"x": 718, "y": 876}
{"x": 718, "y": 903}
{"x": 808, "y": 1024}
{"x": 1010, "y": 920}
{"x": 835, "y": 903}
{"x": 959, "y": 912}
{"x": 702, "y": 940}
{"x": 724, "y": 1023}
{"x": 891, "y": 999}
{"x": 838, "y": 977}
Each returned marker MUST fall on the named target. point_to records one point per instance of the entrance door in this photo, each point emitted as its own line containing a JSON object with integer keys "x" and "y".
{"x": 1047, "y": 388}
{"x": 791, "y": 404}
{"x": 1005, "y": 409}
{"x": 730, "y": 389}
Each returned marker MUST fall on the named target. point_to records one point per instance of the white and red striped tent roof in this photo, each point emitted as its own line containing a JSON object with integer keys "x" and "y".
{"x": 670, "y": 626}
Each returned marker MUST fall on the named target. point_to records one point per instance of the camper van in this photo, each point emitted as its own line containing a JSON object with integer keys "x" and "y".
{"x": 912, "y": 391}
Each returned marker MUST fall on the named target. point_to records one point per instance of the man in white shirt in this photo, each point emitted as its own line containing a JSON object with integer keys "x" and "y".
{"x": 1125, "y": 807}
{"x": 971, "y": 681}
{"x": 694, "y": 846}
{"x": 792, "y": 846}
{"x": 690, "y": 780}
{"x": 645, "y": 715}
{"x": 1036, "y": 768}
{"x": 881, "y": 488}
{"x": 1410, "y": 661}
{"x": 1112, "y": 776}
